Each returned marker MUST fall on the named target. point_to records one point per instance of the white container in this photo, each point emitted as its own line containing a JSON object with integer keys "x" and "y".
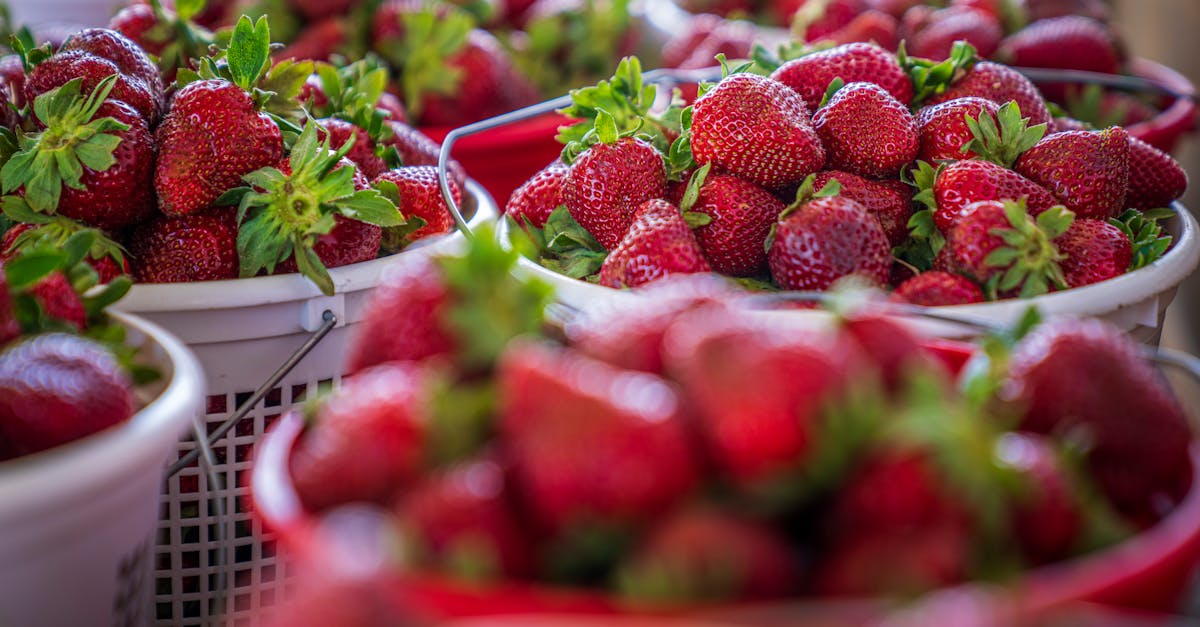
{"x": 68, "y": 13}
{"x": 78, "y": 520}
{"x": 1136, "y": 302}
{"x": 242, "y": 330}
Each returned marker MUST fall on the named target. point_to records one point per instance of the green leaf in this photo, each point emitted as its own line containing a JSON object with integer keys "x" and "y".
{"x": 371, "y": 207}
{"x": 18, "y": 210}
{"x": 185, "y": 10}
{"x": 310, "y": 266}
{"x": 249, "y": 51}
{"x": 27, "y": 269}
{"x": 832, "y": 89}
{"x": 79, "y": 245}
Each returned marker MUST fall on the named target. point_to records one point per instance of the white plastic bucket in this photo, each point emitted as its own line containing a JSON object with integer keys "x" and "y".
{"x": 241, "y": 331}
{"x": 78, "y": 520}
{"x": 71, "y": 13}
{"x": 1136, "y": 302}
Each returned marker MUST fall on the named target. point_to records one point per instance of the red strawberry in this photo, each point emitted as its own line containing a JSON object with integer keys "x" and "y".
{"x": 1095, "y": 250}
{"x": 944, "y": 131}
{"x": 710, "y": 555}
{"x": 1087, "y": 170}
{"x": 421, "y": 197}
{"x": 211, "y": 137}
{"x": 538, "y": 197}
{"x": 894, "y": 8}
{"x": 10, "y": 329}
{"x": 350, "y": 241}
{"x": 1047, "y": 517}
{"x": 1000, "y": 84}
{"x": 866, "y": 131}
{"x": 639, "y": 459}
{"x": 758, "y": 129}
{"x": 1038, "y": 10}
{"x": 659, "y": 243}
{"x": 12, "y": 77}
{"x": 889, "y": 201}
{"x": 811, "y": 74}
{"x": 196, "y": 247}
{"x": 63, "y": 67}
{"x": 833, "y": 15}
{"x": 362, "y": 153}
{"x": 461, "y": 519}
{"x": 491, "y": 85}
{"x": 893, "y": 348}
{"x": 129, "y": 57}
{"x": 679, "y": 47}
{"x": 105, "y": 257}
{"x": 716, "y": 355}
{"x": 366, "y": 440}
{"x": 318, "y": 41}
{"x": 732, "y": 38}
{"x": 1071, "y": 42}
{"x": 947, "y": 26}
{"x": 739, "y": 218}
{"x": 1030, "y": 260}
{"x": 1066, "y": 123}
{"x": 56, "y": 388}
{"x": 1087, "y": 374}
{"x": 917, "y": 559}
{"x": 59, "y": 300}
{"x": 133, "y": 21}
{"x": 607, "y": 184}
{"x": 821, "y": 240}
{"x": 395, "y": 110}
{"x": 936, "y": 288}
{"x": 417, "y": 149}
{"x": 872, "y": 26}
{"x": 964, "y": 183}
{"x": 1155, "y": 178}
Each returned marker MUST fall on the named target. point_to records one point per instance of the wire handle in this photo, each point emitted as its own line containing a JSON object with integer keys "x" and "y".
{"x": 1116, "y": 81}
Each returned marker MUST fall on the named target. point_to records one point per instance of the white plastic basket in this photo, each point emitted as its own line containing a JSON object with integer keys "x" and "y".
{"x": 71, "y": 13}
{"x": 242, "y": 331}
{"x": 78, "y": 521}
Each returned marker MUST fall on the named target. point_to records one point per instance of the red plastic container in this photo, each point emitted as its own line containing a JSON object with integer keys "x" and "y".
{"x": 503, "y": 158}
{"x": 1177, "y": 116}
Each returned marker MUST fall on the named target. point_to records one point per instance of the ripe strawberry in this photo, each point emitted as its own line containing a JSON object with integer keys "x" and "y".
{"x": 362, "y": 152}
{"x": 1047, "y": 515}
{"x": 538, "y": 197}
{"x": 936, "y": 288}
{"x": 918, "y": 559}
{"x": 639, "y": 457}
{"x": 1155, "y": 177}
{"x": 1000, "y": 84}
{"x": 710, "y": 555}
{"x": 59, "y": 300}
{"x": 129, "y": 57}
{"x": 64, "y": 67}
{"x": 1071, "y": 42}
{"x": 105, "y": 256}
{"x": 871, "y": 26}
{"x": 609, "y": 182}
{"x": 55, "y": 388}
{"x": 1067, "y": 123}
{"x": 350, "y": 241}
{"x": 658, "y": 243}
{"x": 758, "y": 129}
{"x": 1087, "y": 170}
{"x": 110, "y": 152}
{"x": 832, "y": 16}
{"x": 1085, "y": 374}
{"x": 12, "y": 79}
{"x": 889, "y": 201}
{"x": 819, "y": 240}
{"x": 420, "y": 196}
{"x": 417, "y": 149}
{"x": 732, "y": 38}
{"x": 947, "y": 26}
{"x": 196, "y": 247}
{"x": 210, "y": 138}
{"x": 892, "y": 347}
{"x": 810, "y": 75}
{"x": 866, "y": 131}
{"x": 735, "y": 217}
{"x": 407, "y": 316}
{"x": 462, "y": 523}
{"x": 366, "y": 440}
{"x": 1095, "y": 250}
{"x": 491, "y": 85}
{"x": 134, "y": 21}
{"x": 964, "y": 183}
{"x": 894, "y": 8}
{"x": 1038, "y": 10}
{"x": 1000, "y": 247}
{"x": 944, "y": 131}
{"x": 682, "y": 43}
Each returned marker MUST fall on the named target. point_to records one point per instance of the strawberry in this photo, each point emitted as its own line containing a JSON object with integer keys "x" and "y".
{"x": 1000, "y": 84}
{"x": 1071, "y": 42}
{"x": 944, "y": 131}
{"x": 894, "y": 349}
{"x": 350, "y": 241}
{"x": 820, "y": 239}
{"x": 816, "y": 19}
{"x": 55, "y": 388}
{"x": 658, "y": 243}
{"x": 417, "y": 149}
{"x": 135, "y": 21}
{"x": 92, "y": 70}
{"x": 316, "y": 10}
{"x": 197, "y": 247}
{"x": 889, "y": 201}
{"x": 1000, "y": 247}
{"x": 552, "y": 400}
{"x": 406, "y": 318}
{"x": 1037, "y": 10}
{"x": 964, "y": 183}
{"x": 1085, "y": 374}
{"x": 872, "y": 26}
{"x": 59, "y": 300}
{"x": 1067, "y": 123}
{"x": 539, "y": 196}
{"x": 1047, "y": 517}
{"x": 733, "y": 38}
{"x": 811, "y": 74}
{"x": 419, "y": 196}
{"x": 936, "y": 288}
{"x": 365, "y": 441}
{"x": 758, "y": 129}
{"x": 12, "y": 78}
{"x": 607, "y": 184}
{"x": 1095, "y": 250}
{"x": 462, "y": 522}
{"x": 129, "y": 57}
{"x": 1087, "y": 170}
{"x": 709, "y": 555}
{"x": 734, "y": 217}
{"x": 866, "y": 131}
{"x": 947, "y": 26}
{"x": 93, "y": 162}
{"x": 105, "y": 256}
{"x": 680, "y": 45}
{"x": 918, "y": 560}
{"x": 10, "y": 328}
{"x": 362, "y": 152}
{"x": 318, "y": 41}
{"x": 1155, "y": 177}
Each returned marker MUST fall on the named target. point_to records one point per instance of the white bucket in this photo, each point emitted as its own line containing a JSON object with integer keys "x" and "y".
{"x": 69, "y": 13}
{"x": 1136, "y": 302}
{"x": 242, "y": 330}
{"x": 78, "y": 520}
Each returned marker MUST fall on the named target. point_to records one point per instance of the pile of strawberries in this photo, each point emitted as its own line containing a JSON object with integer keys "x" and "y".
{"x": 65, "y": 371}
{"x": 948, "y": 181}
{"x": 240, "y": 167}
{"x": 677, "y": 449}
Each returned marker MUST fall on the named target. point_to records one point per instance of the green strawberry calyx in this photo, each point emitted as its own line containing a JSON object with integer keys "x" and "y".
{"x": 615, "y": 108}
{"x": 421, "y": 58}
{"x": 691, "y": 195}
{"x": 924, "y": 241}
{"x": 835, "y": 85}
{"x": 1145, "y": 233}
{"x": 284, "y": 214}
{"x": 1028, "y": 260}
{"x": 36, "y": 261}
{"x": 562, "y": 245}
{"x": 1002, "y": 143}
{"x": 353, "y": 92}
{"x": 47, "y": 161}
{"x": 182, "y": 39}
{"x": 930, "y": 78}
{"x": 54, "y": 230}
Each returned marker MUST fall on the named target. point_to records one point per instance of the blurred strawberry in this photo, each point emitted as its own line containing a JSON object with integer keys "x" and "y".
{"x": 937, "y": 288}
{"x": 1048, "y": 513}
{"x": 1071, "y": 42}
{"x": 946, "y": 26}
